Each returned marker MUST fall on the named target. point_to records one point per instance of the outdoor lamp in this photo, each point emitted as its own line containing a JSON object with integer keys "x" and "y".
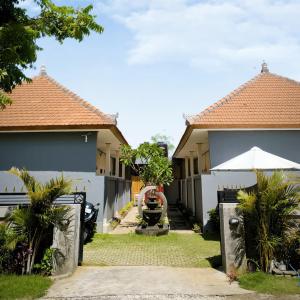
{"x": 234, "y": 221}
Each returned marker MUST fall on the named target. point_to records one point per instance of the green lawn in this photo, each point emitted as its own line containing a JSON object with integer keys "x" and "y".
{"x": 269, "y": 284}
{"x": 178, "y": 250}
{"x": 23, "y": 287}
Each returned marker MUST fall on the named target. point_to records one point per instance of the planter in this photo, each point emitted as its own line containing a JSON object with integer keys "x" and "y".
{"x": 152, "y": 216}
{"x": 152, "y": 203}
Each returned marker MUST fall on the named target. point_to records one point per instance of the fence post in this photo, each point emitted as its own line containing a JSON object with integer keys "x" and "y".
{"x": 232, "y": 238}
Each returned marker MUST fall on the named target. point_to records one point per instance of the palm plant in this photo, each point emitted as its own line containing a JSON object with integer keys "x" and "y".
{"x": 35, "y": 220}
{"x": 267, "y": 212}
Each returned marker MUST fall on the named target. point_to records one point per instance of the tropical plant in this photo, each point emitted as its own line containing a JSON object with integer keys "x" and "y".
{"x": 45, "y": 267}
{"x": 214, "y": 219}
{"x": 8, "y": 242}
{"x": 268, "y": 218}
{"x": 34, "y": 221}
{"x": 149, "y": 162}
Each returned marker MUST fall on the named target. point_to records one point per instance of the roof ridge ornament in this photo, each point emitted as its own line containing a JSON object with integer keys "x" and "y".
{"x": 43, "y": 71}
{"x": 264, "y": 67}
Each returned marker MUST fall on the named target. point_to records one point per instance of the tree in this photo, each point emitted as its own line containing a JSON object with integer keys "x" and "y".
{"x": 165, "y": 139}
{"x": 267, "y": 211}
{"x": 19, "y": 33}
{"x": 35, "y": 220}
{"x": 149, "y": 162}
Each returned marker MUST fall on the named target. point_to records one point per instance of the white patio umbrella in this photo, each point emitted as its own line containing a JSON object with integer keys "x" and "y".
{"x": 257, "y": 159}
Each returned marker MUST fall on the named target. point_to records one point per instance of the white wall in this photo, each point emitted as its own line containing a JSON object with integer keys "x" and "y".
{"x": 211, "y": 183}
{"x": 215, "y": 181}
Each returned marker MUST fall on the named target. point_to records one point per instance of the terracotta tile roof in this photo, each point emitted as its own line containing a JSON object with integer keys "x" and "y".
{"x": 266, "y": 101}
{"x": 45, "y": 104}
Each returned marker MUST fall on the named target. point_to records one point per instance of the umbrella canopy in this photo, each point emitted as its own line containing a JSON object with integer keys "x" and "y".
{"x": 257, "y": 159}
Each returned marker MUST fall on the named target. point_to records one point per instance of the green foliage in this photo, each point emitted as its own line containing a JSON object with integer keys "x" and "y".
{"x": 196, "y": 228}
{"x": 23, "y": 287}
{"x": 19, "y": 33}
{"x": 153, "y": 168}
{"x": 8, "y": 242}
{"x": 123, "y": 211}
{"x": 45, "y": 267}
{"x": 35, "y": 220}
{"x": 164, "y": 221}
{"x": 214, "y": 220}
{"x": 114, "y": 223}
{"x": 163, "y": 138}
{"x": 269, "y": 284}
{"x": 4, "y": 100}
{"x": 267, "y": 217}
{"x": 141, "y": 221}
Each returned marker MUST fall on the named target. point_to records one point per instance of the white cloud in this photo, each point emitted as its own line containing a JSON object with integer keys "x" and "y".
{"x": 209, "y": 32}
{"x": 30, "y": 6}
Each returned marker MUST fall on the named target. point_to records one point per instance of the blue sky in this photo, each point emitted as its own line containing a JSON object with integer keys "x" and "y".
{"x": 158, "y": 59}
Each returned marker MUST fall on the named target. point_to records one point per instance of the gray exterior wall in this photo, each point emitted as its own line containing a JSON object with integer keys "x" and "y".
{"x": 172, "y": 192}
{"x": 46, "y": 155}
{"x": 212, "y": 183}
{"x": 48, "y": 151}
{"x": 225, "y": 145}
{"x": 109, "y": 192}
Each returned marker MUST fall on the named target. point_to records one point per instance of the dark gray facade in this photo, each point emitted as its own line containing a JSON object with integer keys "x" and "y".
{"x": 48, "y": 151}
{"x": 225, "y": 145}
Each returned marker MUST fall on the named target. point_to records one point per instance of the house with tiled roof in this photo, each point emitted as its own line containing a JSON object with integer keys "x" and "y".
{"x": 48, "y": 130}
{"x": 263, "y": 112}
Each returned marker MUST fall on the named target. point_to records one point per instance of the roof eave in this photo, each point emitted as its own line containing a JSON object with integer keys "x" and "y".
{"x": 118, "y": 134}
{"x": 183, "y": 140}
{"x": 241, "y": 126}
{"x": 56, "y": 127}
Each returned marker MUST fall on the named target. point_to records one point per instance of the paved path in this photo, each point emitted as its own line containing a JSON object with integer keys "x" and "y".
{"x": 177, "y": 222}
{"x": 127, "y": 224}
{"x": 144, "y": 283}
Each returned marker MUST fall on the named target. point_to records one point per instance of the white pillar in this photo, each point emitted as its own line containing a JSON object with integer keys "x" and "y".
{"x": 107, "y": 160}
{"x": 192, "y": 163}
{"x": 123, "y": 171}
{"x": 199, "y": 154}
{"x": 117, "y": 163}
{"x": 186, "y": 163}
{"x": 193, "y": 182}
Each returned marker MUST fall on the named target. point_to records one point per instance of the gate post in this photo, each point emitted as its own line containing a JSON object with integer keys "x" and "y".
{"x": 232, "y": 238}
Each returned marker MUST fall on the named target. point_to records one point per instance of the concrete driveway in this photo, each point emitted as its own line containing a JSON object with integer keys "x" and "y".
{"x": 144, "y": 283}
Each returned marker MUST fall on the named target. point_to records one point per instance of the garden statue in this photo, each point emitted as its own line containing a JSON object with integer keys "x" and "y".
{"x": 155, "y": 170}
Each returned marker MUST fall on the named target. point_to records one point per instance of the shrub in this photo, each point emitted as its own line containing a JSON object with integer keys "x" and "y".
{"x": 214, "y": 220}
{"x": 196, "y": 228}
{"x": 34, "y": 221}
{"x": 45, "y": 267}
{"x": 271, "y": 233}
{"x": 123, "y": 212}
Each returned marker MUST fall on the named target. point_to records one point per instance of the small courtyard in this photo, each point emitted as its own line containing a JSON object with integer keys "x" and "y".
{"x": 182, "y": 247}
{"x": 175, "y": 249}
